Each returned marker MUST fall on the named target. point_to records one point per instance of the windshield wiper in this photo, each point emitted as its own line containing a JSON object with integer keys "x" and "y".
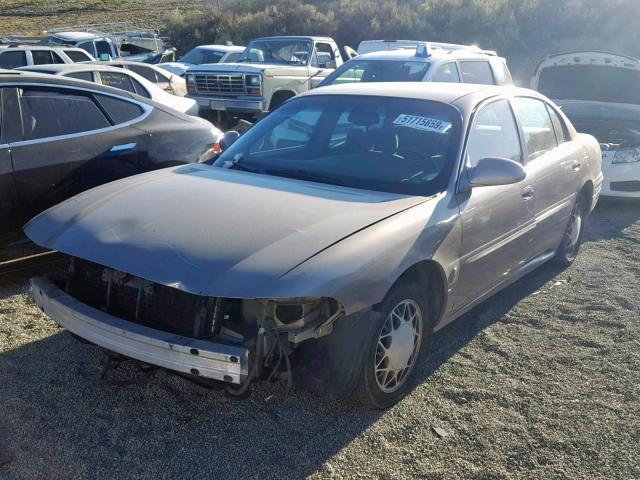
{"x": 304, "y": 175}
{"x": 236, "y": 165}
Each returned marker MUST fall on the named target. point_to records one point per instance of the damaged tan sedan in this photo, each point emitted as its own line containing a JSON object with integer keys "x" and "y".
{"x": 330, "y": 240}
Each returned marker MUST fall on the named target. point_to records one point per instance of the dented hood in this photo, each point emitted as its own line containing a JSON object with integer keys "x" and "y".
{"x": 207, "y": 230}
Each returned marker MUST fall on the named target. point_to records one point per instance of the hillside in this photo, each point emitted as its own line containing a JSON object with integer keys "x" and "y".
{"x": 26, "y": 17}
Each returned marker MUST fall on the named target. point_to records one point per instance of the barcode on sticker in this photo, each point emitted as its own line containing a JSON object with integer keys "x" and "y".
{"x": 422, "y": 123}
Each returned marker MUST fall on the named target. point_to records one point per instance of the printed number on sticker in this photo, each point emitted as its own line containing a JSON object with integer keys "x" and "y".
{"x": 422, "y": 123}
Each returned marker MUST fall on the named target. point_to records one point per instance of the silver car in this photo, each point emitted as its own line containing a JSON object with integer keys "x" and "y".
{"x": 330, "y": 240}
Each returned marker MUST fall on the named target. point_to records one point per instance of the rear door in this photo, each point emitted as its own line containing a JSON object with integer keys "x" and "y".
{"x": 552, "y": 163}
{"x": 73, "y": 140}
{"x": 9, "y": 215}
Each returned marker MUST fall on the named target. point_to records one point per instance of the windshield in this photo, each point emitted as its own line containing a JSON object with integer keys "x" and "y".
{"x": 591, "y": 82}
{"x": 378, "y": 71}
{"x": 282, "y": 51}
{"x": 387, "y": 144}
{"x": 198, "y": 56}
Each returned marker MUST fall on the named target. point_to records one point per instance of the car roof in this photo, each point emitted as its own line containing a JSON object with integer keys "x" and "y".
{"x": 30, "y": 77}
{"x": 296, "y": 37}
{"x": 222, "y": 48}
{"x": 118, "y": 62}
{"x": 33, "y": 47}
{"x": 434, "y": 54}
{"x": 449, "y": 93}
{"x": 73, "y": 36}
{"x": 61, "y": 68}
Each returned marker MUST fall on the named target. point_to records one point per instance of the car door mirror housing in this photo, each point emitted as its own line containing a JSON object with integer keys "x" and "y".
{"x": 229, "y": 138}
{"x": 493, "y": 171}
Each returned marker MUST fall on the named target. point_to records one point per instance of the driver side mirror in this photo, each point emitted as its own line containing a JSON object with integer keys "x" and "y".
{"x": 495, "y": 171}
{"x": 229, "y": 138}
{"x": 328, "y": 64}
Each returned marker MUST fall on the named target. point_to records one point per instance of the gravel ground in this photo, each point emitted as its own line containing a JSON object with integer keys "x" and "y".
{"x": 540, "y": 382}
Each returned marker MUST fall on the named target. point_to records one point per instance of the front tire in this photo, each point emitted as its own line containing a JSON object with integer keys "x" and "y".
{"x": 572, "y": 238}
{"x": 396, "y": 348}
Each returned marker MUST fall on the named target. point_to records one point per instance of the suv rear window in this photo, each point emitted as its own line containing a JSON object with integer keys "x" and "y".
{"x": 477, "y": 71}
{"x": 77, "y": 55}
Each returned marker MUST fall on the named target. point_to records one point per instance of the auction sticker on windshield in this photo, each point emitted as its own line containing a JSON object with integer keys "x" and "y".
{"x": 422, "y": 123}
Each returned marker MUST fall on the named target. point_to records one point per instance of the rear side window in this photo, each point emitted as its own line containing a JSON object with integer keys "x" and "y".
{"x": 13, "y": 59}
{"x": 42, "y": 57}
{"x": 536, "y": 124}
{"x": 477, "y": 71}
{"x": 77, "y": 55}
{"x": 145, "y": 72}
{"x": 74, "y": 113}
{"x": 447, "y": 73}
{"x": 88, "y": 76}
{"x": 117, "y": 80}
{"x": 140, "y": 90}
{"x": 494, "y": 134}
{"x": 119, "y": 110}
{"x": 558, "y": 126}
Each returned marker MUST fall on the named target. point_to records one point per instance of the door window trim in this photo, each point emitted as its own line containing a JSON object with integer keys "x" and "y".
{"x": 145, "y": 108}
{"x": 523, "y": 138}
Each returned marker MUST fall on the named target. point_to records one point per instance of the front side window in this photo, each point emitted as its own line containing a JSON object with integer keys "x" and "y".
{"x": 74, "y": 113}
{"x": 324, "y": 57}
{"x": 558, "y": 126}
{"x": 536, "y": 124}
{"x": 117, "y": 80}
{"x": 494, "y": 134}
{"x": 199, "y": 56}
{"x": 281, "y": 51}
{"x": 447, "y": 73}
{"x": 477, "y": 71}
{"x": 41, "y": 57}
{"x": 388, "y": 144}
{"x": 12, "y": 59}
{"x": 378, "y": 71}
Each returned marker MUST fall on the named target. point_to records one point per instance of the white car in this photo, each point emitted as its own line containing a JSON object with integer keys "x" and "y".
{"x": 15, "y": 56}
{"x": 599, "y": 93}
{"x": 167, "y": 81}
{"x": 122, "y": 79}
{"x": 202, "y": 55}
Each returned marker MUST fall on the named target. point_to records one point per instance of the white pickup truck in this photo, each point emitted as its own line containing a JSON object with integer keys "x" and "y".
{"x": 270, "y": 71}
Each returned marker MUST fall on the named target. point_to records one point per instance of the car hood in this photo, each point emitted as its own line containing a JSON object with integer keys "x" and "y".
{"x": 176, "y": 67}
{"x": 208, "y": 230}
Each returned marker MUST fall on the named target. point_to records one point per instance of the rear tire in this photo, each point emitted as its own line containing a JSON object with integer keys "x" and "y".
{"x": 572, "y": 238}
{"x": 396, "y": 348}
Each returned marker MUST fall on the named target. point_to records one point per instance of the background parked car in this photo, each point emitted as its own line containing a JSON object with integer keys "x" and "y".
{"x": 347, "y": 225}
{"x": 204, "y": 54}
{"x": 119, "y": 78}
{"x": 61, "y": 136}
{"x": 423, "y": 62}
{"x": 167, "y": 81}
{"x": 15, "y": 56}
{"x": 600, "y": 93}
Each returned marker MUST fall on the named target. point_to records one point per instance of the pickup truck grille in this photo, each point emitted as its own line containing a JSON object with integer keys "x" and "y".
{"x": 220, "y": 84}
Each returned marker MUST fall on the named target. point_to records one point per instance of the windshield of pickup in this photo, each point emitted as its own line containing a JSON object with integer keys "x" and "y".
{"x": 198, "y": 56}
{"x": 396, "y": 145}
{"x": 595, "y": 83}
{"x": 281, "y": 51}
{"x": 378, "y": 71}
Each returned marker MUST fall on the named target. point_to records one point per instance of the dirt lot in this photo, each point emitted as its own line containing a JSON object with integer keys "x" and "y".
{"x": 542, "y": 381}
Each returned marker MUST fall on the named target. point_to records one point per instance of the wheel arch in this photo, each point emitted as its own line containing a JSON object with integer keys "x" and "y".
{"x": 279, "y": 97}
{"x": 587, "y": 192}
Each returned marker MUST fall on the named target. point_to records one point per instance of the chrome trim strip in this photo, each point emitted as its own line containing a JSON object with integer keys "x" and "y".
{"x": 218, "y": 361}
{"x": 124, "y": 146}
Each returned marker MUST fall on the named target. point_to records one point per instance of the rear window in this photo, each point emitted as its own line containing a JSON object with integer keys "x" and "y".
{"x": 597, "y": 83}
{"x": 74, "y": 113}
{"x": 88, "y": 76}
{"x": 476, "y": 72}
{"x": 120, "y": 111}
{"x": 117, "y": 80}
{"x": 78, "y": 55}
{"x": 9, "y": 59}
{"x": 378, "y": 71}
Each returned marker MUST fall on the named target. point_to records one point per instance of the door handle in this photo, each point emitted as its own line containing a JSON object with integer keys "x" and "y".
{"x": 528, "y": 192}
{"x": 123, "y": 147}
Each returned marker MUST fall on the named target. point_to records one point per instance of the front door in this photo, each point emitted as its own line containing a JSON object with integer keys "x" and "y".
{"x": 77, "y": 148}
{"x": 496, "y": 221}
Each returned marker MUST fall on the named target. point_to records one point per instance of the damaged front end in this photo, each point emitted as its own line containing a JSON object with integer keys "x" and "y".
{"x": 231, "y": 340}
